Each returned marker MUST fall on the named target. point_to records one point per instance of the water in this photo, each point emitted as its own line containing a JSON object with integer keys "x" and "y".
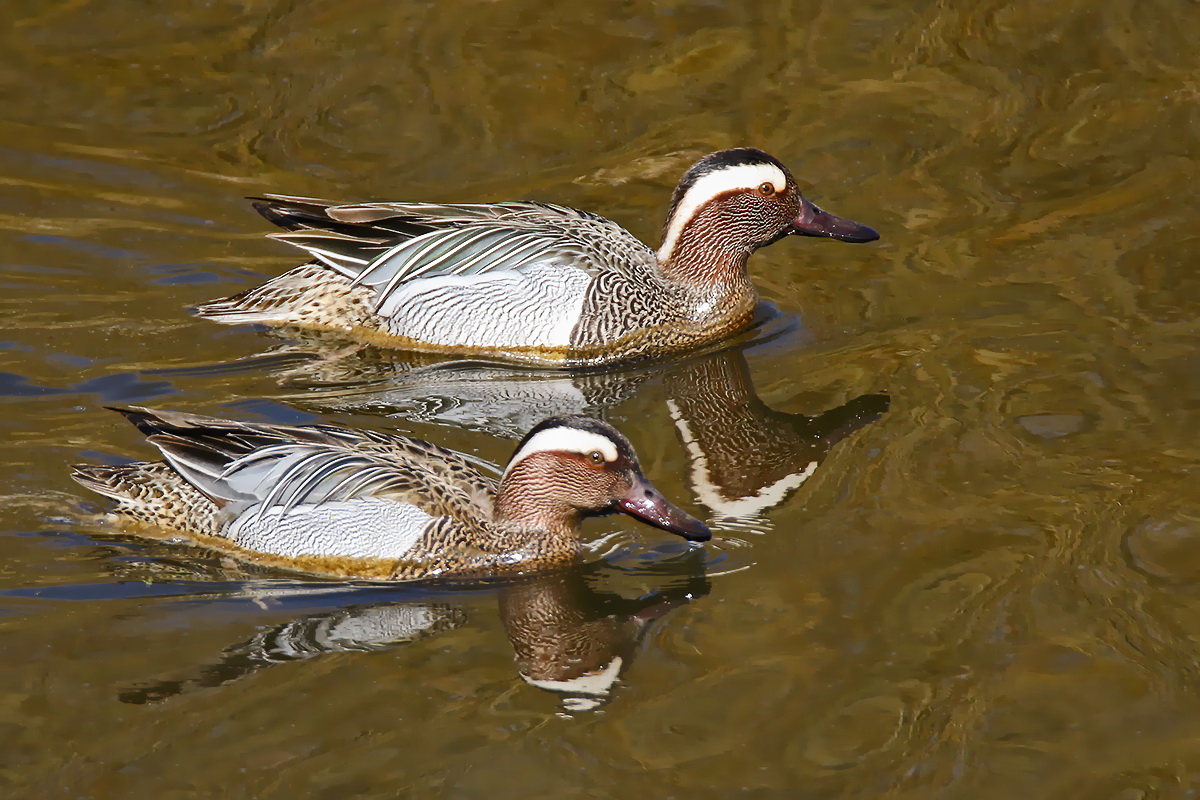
{"x": 985, "y": 585}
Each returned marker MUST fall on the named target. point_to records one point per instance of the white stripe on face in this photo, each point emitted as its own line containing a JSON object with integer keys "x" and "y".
{"x": 729, "y": 179}
{"x": 570, "y": 440}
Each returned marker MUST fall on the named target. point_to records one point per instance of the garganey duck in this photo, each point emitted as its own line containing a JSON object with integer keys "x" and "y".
{"x": 358, "y": 504}
{"x": 536, "y": 282}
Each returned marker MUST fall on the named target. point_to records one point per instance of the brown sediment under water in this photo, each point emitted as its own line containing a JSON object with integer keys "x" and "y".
{"x": 984, "y": 585}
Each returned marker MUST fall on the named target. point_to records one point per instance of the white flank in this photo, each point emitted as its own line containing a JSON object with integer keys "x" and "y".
{"x": 362, "y": 528}
{"x": 568, "y": 440}
{"x": 730, "y": 179}
{"x": 537, "y": 306}
{"x": 712, "y": 495}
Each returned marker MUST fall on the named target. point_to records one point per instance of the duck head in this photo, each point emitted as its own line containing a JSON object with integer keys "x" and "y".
{"x": 572, "y": 466}
{"x": 732, "y": 202}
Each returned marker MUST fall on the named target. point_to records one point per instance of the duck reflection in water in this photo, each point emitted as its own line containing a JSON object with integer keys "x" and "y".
{"x": 745, "y": 457}
{"x": 568, "y": 636}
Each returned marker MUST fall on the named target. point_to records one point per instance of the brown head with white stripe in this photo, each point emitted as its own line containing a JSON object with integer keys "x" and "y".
{"x": 732, "y": 202}
{"x": 572, "y": 466}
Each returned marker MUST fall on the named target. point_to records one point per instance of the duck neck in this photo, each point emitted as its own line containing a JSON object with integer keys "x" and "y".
{"x": 520, "y": 501}
{"x": 704, "y": 262}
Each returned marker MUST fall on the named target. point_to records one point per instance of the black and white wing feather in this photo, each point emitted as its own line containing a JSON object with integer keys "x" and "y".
{"x": 385, "y": 245}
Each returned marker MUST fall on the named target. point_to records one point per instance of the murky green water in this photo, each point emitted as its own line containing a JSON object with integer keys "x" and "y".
{"x": 992, "y": 590}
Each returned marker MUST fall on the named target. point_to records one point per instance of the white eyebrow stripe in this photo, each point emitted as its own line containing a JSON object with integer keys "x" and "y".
{"x": 729, "y": 179}
{"x": 570, "y": 440}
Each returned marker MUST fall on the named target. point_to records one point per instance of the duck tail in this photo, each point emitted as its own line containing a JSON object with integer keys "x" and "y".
{"x": 310, "y": 296}
{"x": 293, "y": 213}
{"x": 153, "y": 493}
{"x": 105, "y": 480}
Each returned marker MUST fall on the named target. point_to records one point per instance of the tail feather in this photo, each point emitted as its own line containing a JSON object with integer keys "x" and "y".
{"x": 299, "y": 213}
{"x": 151, "y": 422}
{"x": 309, "y": 296}
{"x": 104, "y": 480}
{"x": 153, "y": 493}
{"x": 391, "y": 221}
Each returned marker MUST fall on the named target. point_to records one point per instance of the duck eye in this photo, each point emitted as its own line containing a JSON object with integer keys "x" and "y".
{"x": 767, "y": 189}
{"x": 596, "y": 456}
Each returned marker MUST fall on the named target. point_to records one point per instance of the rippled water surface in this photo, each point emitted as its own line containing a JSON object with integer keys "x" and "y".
{"x": 984, "y": 585}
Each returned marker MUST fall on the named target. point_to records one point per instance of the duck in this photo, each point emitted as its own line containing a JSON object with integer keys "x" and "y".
{"x": 355, "y": 504}
{"x": 534, "y": 282}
